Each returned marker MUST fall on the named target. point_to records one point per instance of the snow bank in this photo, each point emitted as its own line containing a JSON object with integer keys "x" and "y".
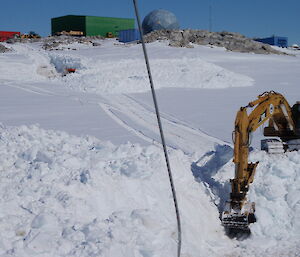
{"x": 130, "y": 76}
{"x": 102, "y": 76}
{"x": 276, "y": 193}
{"x": 63, "y": 62}
{"x": 62, "y": 195}
{"x": 25, "y": 64}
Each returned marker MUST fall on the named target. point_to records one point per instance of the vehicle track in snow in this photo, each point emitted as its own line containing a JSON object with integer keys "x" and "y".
{"x": 140, "y": 119}
{"x": 30, "y": 88}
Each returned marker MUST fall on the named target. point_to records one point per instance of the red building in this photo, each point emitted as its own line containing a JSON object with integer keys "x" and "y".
{"x": 4, "y": 35}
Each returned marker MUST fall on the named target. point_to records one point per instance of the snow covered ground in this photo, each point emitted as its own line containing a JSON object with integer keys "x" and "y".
{"x": 90, "y": 179}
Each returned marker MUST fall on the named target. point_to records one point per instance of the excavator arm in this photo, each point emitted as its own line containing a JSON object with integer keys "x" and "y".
{"x": 270, "y": 106}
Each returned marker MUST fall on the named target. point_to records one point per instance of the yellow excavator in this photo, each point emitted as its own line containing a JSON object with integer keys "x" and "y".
{"x": 284, "y": 123}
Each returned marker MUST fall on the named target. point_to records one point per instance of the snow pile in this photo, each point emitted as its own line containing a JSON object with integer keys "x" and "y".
{"x": 276, "y": 193}
{"x": 25, "y": 64}
{"x": 102, "y": 76}
{"x": 17, "y": 68}
{"x": 63, "y": 62}
{"x": 62, "y": 195}
{"x": 130, "y": 76}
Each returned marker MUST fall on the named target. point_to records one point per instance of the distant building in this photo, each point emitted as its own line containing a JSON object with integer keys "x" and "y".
{"x": 90, "y": 25}
{"x": 5, "y": 35}
{"x": 129, "y": 35}
{"x": 160, "y": 20}
{"x": 274, "y": 41}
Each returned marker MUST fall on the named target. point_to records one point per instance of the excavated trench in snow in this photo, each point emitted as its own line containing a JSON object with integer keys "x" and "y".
{"x": 207, "y": 167}
{"x": 275, "y": 191}
{"x": 64, "y": 62}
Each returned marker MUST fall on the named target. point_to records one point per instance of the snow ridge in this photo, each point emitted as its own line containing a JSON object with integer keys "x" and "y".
{"x": 63, "y": 195}
{"x": 129, "y": 75}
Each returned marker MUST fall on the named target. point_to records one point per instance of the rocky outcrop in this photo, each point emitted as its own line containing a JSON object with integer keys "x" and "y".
{"x": 52, "y": 43}
{"x": 231, "y": 41}
{"x": 57, "y": 42}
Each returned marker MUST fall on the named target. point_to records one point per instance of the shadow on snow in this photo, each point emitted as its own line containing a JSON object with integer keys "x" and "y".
{"x": 207, "y": 166}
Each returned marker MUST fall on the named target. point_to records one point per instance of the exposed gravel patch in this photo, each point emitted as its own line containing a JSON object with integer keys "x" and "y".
{"x": 54, "y": 42}
{"x": 58, "y": 42}
{"x": 4, "y": 49}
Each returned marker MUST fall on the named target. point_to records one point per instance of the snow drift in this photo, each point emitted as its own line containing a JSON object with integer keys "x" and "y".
{"x": 130, "y": 76}
{"x": 275, "y": 191}
{"x": 96, "y": 74}
{"x": 63, "y": 195}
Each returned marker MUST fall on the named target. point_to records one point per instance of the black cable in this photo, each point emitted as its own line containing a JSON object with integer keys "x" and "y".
{"x": 160, "y": 129}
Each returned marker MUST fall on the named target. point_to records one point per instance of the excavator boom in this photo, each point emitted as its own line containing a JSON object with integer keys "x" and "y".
{"x": 283, "y": 121}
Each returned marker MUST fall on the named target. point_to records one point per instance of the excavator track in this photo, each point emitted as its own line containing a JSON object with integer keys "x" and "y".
{"x": 272, "y": 146}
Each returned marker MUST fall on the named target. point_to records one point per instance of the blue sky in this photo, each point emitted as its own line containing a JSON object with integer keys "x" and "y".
{"x": 255, "y": 18}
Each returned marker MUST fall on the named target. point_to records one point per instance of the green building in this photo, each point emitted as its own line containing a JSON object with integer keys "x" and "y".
{"x": 91, "y": 25}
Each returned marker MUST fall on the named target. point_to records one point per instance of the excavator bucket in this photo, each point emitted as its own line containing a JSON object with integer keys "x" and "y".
{"x": 238, "y": 220}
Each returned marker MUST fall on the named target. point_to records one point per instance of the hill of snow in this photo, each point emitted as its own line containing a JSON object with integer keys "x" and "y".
{"x": 90, "y": 180}
{"x": 99, "y": 75}
{"x": 73, "y": 196}
{"x": 63, "y": 195}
